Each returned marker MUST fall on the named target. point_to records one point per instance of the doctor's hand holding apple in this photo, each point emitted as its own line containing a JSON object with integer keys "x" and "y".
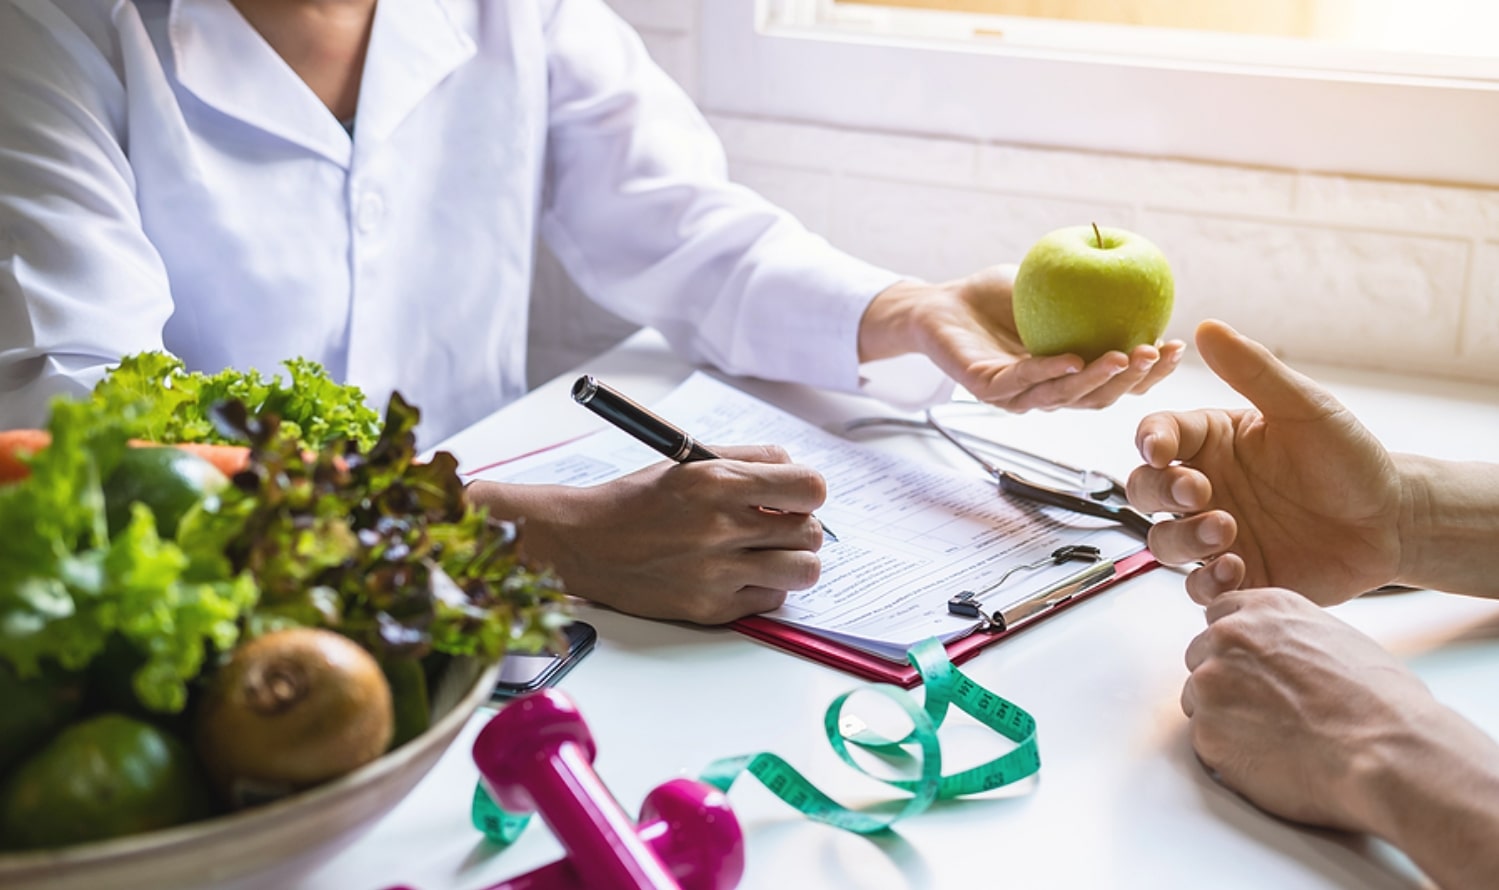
{"x": 1076, "y": 325}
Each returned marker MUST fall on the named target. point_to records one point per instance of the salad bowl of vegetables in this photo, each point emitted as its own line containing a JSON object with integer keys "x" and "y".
{"x": 239, "y": 621}
{"x": 265, "y": 845}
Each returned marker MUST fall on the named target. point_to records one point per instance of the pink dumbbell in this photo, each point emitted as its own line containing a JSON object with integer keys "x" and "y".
{"x": 537, "y": 755}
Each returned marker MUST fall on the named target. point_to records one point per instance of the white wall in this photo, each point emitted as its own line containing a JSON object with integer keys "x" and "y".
{"x": 1322, "y": 267}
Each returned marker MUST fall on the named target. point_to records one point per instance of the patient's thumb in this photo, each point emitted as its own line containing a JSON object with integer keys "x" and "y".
{"x": 1255, "y": 373}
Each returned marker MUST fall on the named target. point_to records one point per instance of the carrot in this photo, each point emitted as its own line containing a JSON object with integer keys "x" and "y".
{"x": 229, "y": 459}
{"x": 17, "y": 443}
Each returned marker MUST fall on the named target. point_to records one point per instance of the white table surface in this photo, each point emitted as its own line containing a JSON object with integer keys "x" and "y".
{"x": 1120, "y": 800}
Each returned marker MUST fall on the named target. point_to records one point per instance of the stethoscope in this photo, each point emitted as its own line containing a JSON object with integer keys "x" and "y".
{"x": 1086, "y": 492}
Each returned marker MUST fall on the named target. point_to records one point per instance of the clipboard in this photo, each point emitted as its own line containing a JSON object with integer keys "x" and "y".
{"x": 950, "y": 531}
{"x": 872, "y": 667}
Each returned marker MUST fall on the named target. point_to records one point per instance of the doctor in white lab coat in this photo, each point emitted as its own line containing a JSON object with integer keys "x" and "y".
{"x": 243, "y": 181}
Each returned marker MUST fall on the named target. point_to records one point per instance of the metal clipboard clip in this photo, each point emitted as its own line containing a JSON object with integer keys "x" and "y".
{"x": 1100, "y": 571}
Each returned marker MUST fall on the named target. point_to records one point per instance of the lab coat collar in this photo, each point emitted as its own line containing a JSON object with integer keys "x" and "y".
{"x": 414, "y": 45}
{"x": 222, "y": 60}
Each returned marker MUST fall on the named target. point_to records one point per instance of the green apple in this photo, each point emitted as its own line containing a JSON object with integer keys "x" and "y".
{"x": 1087, "y": 290}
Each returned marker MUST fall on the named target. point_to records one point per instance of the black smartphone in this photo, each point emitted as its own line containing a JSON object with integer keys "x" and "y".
{"x": 525, "y": 672}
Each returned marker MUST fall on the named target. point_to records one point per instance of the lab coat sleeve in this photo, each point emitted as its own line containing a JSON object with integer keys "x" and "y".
{"x": 641, "y": 213}
{"x": 80, "y": 284}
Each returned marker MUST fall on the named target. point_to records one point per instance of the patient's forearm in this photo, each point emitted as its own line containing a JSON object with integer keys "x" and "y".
{"x": 1436, "y": 797}
{"x": 1450, "y": 525}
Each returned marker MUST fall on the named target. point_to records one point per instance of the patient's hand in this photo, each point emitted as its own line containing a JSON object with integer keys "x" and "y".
{"x": 1294, "y": 492}
{"x": 1314, "y": 721}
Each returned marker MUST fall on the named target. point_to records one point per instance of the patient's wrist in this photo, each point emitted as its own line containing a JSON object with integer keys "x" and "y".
{"x": 1434, "y": 793}
{"x": 1448, "y": 523}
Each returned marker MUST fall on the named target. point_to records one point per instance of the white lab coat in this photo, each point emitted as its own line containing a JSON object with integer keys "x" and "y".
{"x": 166, "y": 181}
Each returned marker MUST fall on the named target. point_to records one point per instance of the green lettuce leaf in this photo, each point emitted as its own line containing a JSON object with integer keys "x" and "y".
{"x": 164, "y": 402}
{"x": 66, "y": 587}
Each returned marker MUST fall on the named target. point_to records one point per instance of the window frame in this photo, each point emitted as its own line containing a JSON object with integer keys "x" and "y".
{"x": 1366, "y": 113}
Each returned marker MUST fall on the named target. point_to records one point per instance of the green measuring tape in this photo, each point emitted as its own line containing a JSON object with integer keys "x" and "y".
{"x": 945, "y": 685}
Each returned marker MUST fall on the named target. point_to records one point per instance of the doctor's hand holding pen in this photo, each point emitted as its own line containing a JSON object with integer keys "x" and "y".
{"x": 702, "y": 541}
{"x": 1294, "y": 503}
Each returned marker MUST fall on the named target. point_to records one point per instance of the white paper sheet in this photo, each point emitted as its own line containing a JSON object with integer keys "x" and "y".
{"x": 910, "y": 534}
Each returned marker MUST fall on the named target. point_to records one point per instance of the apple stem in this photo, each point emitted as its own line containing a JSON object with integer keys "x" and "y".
{"x": 1099, "y": 235}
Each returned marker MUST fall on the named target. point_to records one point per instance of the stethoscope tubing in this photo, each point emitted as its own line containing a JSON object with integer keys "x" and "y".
{"x": 1084, "y": 500}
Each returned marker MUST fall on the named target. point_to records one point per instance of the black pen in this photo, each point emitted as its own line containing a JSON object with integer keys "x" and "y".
{"x": 640, "y": 422}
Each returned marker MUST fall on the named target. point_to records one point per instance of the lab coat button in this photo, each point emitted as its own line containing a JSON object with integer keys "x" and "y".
{"x": 370, "y": 210}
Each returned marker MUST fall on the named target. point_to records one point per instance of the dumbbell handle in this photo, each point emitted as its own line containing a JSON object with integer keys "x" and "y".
{"x": 561, "y": 875}
{"x": 537, "y": 755}
{"x": 690, "y": 828}
{"x": 604, "y": 850}
{"x": 695, "y": 835}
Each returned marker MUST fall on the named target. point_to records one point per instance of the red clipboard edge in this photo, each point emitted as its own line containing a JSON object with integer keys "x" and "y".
{"x": 525, "y": 454}
{"x": 872, "y": 667}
